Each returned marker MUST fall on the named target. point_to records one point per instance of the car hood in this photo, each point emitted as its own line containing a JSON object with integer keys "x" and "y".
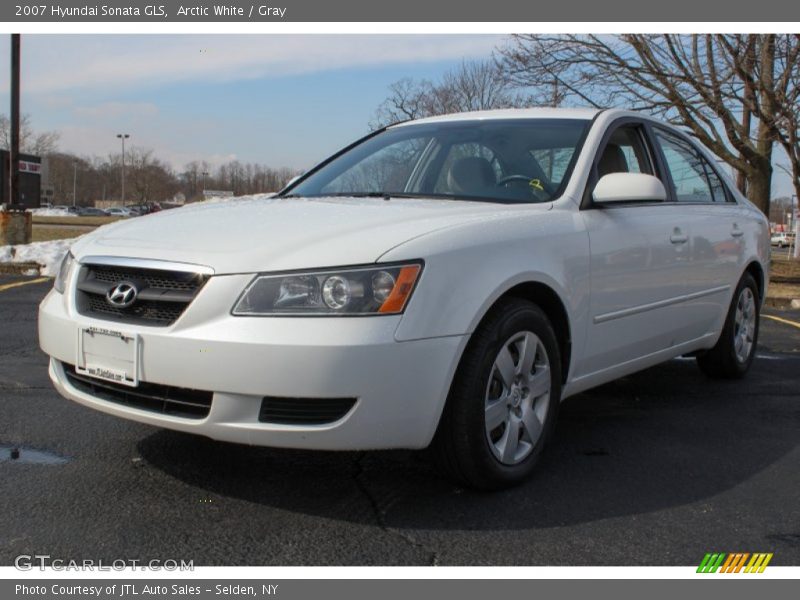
{"x": 271, "y": 234}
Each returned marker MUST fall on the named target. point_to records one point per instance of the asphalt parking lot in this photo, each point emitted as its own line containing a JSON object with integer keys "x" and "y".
{"x": 658, "y": 468}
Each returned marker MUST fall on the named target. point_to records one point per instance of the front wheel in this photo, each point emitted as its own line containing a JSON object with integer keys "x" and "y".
{"x": 733, "y": 354}
{"x": 503, "y": 402}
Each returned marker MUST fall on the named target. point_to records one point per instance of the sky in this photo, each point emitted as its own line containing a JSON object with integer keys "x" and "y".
{"x": 282, "y": 100}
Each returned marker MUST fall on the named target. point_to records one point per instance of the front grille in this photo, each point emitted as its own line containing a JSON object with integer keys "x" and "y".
{"x": 162, "y": 296}
{"x": 152, "y": 397}
{"x": 160, "y": 312}
{"x": 304, "y": 411}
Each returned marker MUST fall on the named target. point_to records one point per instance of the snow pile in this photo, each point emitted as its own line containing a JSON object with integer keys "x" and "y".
{"x": 52, "y": 212}
{"x": 47, "y": 254}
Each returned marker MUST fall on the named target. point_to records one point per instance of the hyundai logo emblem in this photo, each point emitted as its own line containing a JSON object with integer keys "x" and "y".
{"x": 122, "y": 295}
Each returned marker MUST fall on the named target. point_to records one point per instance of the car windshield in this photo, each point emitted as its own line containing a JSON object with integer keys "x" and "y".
{"x": 493, "y": 160}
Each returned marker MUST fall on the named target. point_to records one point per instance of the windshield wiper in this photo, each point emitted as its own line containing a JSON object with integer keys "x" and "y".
{"x": 384, "y": 195}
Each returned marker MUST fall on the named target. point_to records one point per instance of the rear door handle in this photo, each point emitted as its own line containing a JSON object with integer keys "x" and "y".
{"x": 678, "y": 237}
{"x": 736, "y": 232}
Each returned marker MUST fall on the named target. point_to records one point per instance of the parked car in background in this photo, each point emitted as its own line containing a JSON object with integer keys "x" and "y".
{"x": 144, "y": 209}
{"x": 447, "y": 281}
{"x": 782, "y": 239}
{"x": 117, "y": 211}
{"x": 91, "y": 211}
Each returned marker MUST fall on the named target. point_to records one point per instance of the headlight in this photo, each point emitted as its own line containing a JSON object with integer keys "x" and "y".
{"x": 63, "y": 272}
{"x": 358, "y": 291}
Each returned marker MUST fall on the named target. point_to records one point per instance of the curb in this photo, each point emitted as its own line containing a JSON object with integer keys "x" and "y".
{"x": 20, "y": 268}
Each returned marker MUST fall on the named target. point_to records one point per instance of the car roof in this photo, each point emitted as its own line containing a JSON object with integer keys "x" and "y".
{"x": 509, "y": 113}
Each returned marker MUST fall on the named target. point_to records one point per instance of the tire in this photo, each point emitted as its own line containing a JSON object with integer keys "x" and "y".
{"x": 486, "y": 386}
{"x": 733, "y": 353}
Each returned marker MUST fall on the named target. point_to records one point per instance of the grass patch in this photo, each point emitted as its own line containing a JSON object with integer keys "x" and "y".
{"x": 45, "y": 234}
{"x": 785, "y": 270}
{"x": 90, "y": 221}
{"x": 783, "y": 290}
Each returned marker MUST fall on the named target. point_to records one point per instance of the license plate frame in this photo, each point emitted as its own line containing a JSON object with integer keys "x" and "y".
{"x": 109, "y": 355}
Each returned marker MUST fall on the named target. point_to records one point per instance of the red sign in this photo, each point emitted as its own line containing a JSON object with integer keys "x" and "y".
{"x": 30, "y": 167}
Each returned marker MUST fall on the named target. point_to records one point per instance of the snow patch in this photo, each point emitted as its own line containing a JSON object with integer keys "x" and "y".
{"x": 51, "y": 212}
{"x": 48, "y": 254}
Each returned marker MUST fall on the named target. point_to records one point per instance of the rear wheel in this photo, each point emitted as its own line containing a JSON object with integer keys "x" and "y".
{"x": 733, "y": 354}
{"x": 503, "y": 401}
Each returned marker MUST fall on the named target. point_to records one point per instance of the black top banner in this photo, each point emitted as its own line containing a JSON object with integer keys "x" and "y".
{"x": 198, "y": 11}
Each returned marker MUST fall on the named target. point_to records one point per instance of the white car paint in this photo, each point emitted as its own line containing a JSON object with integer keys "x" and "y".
{"x": 639, "y": 284}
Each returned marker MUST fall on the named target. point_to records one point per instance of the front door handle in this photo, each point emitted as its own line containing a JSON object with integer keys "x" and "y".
{"x": 678, "y": 237}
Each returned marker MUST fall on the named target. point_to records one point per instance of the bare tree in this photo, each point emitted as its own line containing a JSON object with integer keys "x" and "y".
{"x": 478, "y": 85}
{"x": 720, "y": 87}
{"x": 30, "y": 142}
{"x": 149, "y": 178}
{"x": 782, "y": 86}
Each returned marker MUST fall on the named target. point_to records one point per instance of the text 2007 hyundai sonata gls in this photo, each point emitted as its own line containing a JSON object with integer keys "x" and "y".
{"x": 446, "y": 281}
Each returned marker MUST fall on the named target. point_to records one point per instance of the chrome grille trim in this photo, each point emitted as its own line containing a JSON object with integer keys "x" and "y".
{"x": 146, "y": 263}
{"x": 164, "y": 293}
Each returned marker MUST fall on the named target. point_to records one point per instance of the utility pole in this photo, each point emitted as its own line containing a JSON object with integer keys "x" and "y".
{"x": 13, "y": 199}
{"x": 123, "y": 137}
{"x": 74, "y": 180}
{"x": 15, "y": 221}
{"x": 796, "y": 212}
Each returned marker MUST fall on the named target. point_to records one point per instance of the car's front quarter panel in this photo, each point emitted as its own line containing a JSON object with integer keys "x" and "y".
{"x": 467, "y": 268}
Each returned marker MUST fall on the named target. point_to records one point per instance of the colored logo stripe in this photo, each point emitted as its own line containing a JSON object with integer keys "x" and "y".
{"x": 734, "y": 562}
{"x": 758, "y": 563}
{"x": 711, "y": 563}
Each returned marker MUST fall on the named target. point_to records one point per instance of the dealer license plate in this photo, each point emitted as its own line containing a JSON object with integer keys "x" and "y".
{"x": 109, "y": 355}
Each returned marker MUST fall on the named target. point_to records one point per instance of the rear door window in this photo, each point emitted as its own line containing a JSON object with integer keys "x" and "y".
{"x": 693, "y": 177}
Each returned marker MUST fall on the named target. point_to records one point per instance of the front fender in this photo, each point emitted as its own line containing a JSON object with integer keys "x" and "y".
{"x": 468, "y": 268}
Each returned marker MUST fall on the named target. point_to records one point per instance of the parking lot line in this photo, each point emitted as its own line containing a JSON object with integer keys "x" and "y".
{"x": 784, "y": 321}
{"x": 8, "y": 286}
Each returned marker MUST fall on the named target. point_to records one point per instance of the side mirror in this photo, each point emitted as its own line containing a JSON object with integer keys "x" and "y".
{"x": 629, "y": 187}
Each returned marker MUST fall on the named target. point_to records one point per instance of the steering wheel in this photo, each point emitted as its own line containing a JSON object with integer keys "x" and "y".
{"x": 539, "y": 189}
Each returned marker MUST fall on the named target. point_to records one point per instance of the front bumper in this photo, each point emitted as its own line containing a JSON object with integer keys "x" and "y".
{"x": 400, "y": 387}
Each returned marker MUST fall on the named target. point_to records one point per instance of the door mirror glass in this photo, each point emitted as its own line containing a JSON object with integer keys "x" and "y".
{"x": 629, "y": 187}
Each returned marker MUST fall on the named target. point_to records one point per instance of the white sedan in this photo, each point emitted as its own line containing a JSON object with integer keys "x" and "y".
{"x": 447, "y": 281}
{"x": 117, "y": 211}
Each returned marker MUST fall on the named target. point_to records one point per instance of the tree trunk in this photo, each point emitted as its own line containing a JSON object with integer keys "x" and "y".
{"x": 759, "y": 186}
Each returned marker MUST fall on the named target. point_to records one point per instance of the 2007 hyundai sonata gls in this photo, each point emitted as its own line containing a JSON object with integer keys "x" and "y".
{"x": 446, "y": 281}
